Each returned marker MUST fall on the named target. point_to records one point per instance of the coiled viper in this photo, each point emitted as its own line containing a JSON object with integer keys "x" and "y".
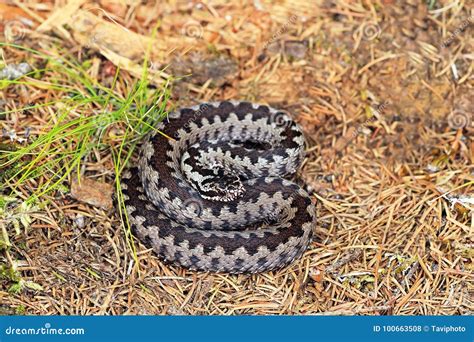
{"x": 209, "y": 193}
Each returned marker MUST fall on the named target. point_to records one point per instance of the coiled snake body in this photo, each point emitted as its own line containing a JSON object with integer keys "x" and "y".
{"x": 210, "y": 193}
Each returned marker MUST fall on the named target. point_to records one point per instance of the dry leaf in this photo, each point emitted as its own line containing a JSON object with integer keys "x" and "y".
{"x": 92, "y": 192}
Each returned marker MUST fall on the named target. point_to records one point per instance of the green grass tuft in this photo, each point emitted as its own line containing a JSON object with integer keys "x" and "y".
{"x": 83, "y": 113}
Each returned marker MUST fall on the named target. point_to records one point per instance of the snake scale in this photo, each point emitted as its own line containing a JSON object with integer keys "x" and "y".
{"x": 210, "y": 191}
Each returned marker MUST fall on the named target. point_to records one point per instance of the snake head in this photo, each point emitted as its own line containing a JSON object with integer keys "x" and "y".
{"x": 221, "y": 185}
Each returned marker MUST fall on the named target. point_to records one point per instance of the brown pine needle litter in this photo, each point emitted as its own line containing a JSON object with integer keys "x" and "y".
{"x": 383, "y": 90}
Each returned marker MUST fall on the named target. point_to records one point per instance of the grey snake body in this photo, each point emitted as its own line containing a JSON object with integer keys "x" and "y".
{"x": 209, "y": 192}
